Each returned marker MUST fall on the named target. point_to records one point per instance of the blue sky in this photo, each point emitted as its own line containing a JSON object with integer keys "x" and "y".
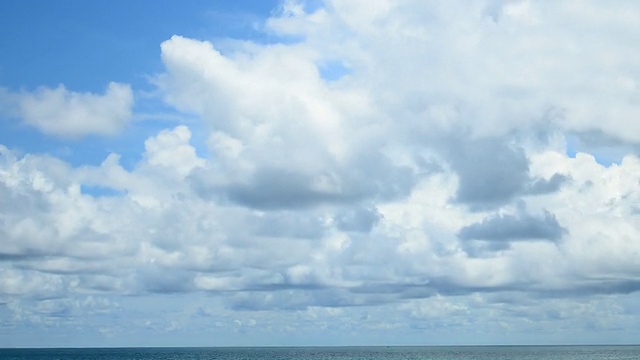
{"x": 84, "y": 46}
{"x": 331, "y": 172}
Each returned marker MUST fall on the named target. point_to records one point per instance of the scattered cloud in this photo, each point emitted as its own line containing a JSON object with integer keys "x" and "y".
{"x": 400, "y": 165}
{"x": 70, "y": 114}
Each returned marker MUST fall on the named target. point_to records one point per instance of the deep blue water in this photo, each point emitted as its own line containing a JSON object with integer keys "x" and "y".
{"x": 332, "y": 353}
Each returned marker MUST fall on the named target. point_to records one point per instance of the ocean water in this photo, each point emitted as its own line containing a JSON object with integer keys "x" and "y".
{"x": 332, "y": 353}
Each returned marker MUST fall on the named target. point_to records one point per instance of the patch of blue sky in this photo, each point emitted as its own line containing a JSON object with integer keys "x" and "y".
{"x": 311, "y": 6}
{"x": 604, "y": 153}
{"x": 92, "y": 150}
{"x": 572, "y": 144}
{"x": 86, "y": 44}
{"x": 88, "y": 150}
{"x": 24, "y": 139}
{"x": 333, "y": 70}
{"x": 100, "y": 191}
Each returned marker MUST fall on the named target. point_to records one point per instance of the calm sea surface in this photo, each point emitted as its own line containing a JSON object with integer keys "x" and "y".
{"x": 333, "y": 353}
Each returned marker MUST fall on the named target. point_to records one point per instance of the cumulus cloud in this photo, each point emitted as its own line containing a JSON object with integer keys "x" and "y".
{"x": 497, "y": 231}
{"x": 426, "y": 181}
{"x": 283, "y": 142}
{"x": 505, "y": 227}
{"x": 171, "y": 150}
{"x": 72, "y": 114}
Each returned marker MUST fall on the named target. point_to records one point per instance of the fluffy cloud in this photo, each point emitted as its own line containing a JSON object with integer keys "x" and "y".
{"x": 428, "y": 183}
{"x": 72, "y": 114}
{"x": 514, "y": 227}
{"x": 284, "y": 142}
{"x": 497, "y": 231}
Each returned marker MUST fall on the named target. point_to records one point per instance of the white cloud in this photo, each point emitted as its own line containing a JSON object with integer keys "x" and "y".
{"x": 278, "y": 127}
{"x": 428, "y": 187}
{"x": 72, "y": 114}
{"x": 171, "y": 150}
{"x": 498, "y": 66}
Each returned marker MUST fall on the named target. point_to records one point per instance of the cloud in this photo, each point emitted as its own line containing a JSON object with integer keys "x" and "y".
{"x": 417, "y": 189}
{"x": 171, "y": 150}
{"x": 284, "y": 138}
{"x": 543, "y": 186}
{"x": 70, "y": 114}
{"x": 361, "y": 219}
{"x": 506, "y": 227}
{"x": 491, "y": 172}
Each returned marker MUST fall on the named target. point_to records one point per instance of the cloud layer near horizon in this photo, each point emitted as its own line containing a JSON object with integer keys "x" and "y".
{"x": 403, "y": 155}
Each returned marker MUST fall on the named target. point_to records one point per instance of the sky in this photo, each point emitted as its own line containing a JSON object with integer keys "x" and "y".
{"x": 338, "y": 172}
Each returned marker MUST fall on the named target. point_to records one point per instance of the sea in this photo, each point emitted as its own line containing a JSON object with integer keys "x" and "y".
{"x": 331, "y": 353}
